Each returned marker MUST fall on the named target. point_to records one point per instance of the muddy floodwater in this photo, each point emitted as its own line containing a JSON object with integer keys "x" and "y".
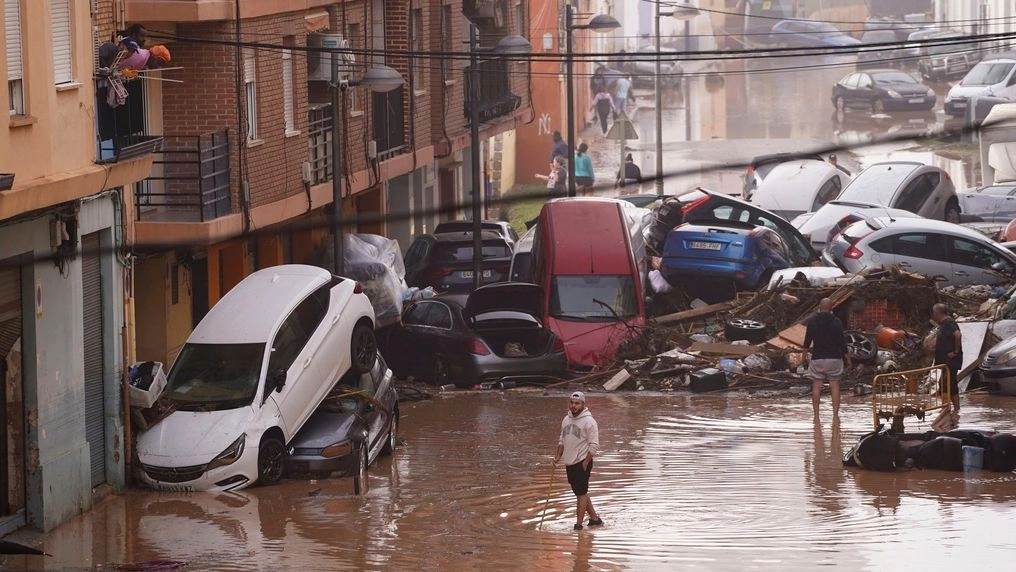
{"x": 683, "y": 482}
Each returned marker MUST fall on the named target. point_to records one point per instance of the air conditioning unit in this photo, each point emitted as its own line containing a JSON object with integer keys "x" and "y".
{"x": 334, "y": 52}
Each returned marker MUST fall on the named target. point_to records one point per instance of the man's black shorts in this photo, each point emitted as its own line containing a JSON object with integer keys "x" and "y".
{"x": 578, "y": 477}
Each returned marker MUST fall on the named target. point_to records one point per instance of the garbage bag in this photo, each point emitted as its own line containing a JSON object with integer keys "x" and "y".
{"x": 376, "y": 263}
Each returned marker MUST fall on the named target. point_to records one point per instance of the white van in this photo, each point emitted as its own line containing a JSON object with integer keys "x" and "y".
{"x": 995, "y": 77}
{"x": 250, "y": 375}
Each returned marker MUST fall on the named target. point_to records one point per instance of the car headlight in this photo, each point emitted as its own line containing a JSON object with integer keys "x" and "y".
{"x": 893, "y": 93}
{"x": 931, "y": 92}
{"x": 1007, "y": 357}
{"x": 337, "y": 449}
{"x": 230, "y": 455}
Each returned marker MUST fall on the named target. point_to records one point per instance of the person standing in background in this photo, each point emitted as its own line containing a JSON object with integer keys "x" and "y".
{"x": 584, "y": 177}
{"x": 603, "y": 104}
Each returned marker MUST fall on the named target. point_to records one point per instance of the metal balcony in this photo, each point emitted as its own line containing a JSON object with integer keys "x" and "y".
{"x": 495, "y": 99}
{"x": 190, "y": 180}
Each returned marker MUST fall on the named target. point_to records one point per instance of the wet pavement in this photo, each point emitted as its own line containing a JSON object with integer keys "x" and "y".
{"x": 739, "y": 109}
{"x": 719, "y": 482}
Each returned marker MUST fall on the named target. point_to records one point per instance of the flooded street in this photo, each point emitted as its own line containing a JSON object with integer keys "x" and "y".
{"x": 690, "y": 482}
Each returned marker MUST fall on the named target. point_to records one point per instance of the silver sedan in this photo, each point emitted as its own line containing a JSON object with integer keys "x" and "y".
{"x": 941, "y": 250}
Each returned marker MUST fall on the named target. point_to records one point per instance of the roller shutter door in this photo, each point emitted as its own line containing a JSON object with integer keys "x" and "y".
{"x": 95, "y": 403}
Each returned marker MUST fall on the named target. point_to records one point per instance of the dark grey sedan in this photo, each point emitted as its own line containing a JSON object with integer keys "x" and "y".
{"x": 358, "y": 421}
{"x": 882, "y": 90}
{"x": 495, "y": 333}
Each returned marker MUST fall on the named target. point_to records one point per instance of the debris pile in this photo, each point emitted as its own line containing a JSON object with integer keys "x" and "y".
{"x": 755, "y": 341}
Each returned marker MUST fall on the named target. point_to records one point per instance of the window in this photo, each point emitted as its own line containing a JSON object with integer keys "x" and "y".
{"x": 215, "y": 377}
{"x": 416, "y": 47}
{"x": 520, "y": 19}
{"x": 829, "y": 191}
{"x": 15, "y": 75}
{"x": 851, "y": 80}
{"x": 915, "y": 245}
{"x": 353, "y": 33}
{"x": 439, "y": 316}
{"x": 416, "y": 314}
{"x": 251, "y": 94}
{"x": 60, "y": 19}
{"x": 914, "y": 195}
{"x": 864, "y": 81}
{"x": 288, "y": 96}
{"x": 593, "y": 298}
{"x": 969, "y": 253}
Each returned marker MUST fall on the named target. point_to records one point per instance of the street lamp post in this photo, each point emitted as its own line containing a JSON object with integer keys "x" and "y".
{"x": 600, "y": 23}
{"x": 378, "y": 79}
{"x": 509, "y": 45}
{"x": 681, "y": 11}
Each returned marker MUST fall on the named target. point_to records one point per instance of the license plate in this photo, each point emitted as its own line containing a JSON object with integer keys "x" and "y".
{"x": 705, "y": 245}
{"x": 960, "y": 104}
{"x": 916, "y": 100}
{"x": 469, "y": 274}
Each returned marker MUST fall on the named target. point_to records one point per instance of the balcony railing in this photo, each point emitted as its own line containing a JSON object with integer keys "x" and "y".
{"x": 319, "y": 128}
{"x": 190, "y": 180}
{"x": 496, "y": 98}
{"x": 120, "y": 131}
{"x": 389, "y": 123}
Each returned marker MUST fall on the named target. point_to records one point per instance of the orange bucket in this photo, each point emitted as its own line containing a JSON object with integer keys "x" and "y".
{"x": 888, "y": 338}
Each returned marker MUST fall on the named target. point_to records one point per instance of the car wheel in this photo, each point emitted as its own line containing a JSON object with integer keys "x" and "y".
{"x": 877, "y": 107}
{"x": 393, "y": 434}
{"x": 952, "y": 212}
{"x": 840, "y": 104}
{"x": 360, "y": 479}
{"x": 363, "y": 349}
{"x": 270, "y": 458}
{"x": 745, "y": 329}
{"x": 860, "y": 347}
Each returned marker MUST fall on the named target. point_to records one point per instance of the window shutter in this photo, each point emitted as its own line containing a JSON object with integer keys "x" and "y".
{"x": 12, "y": 35}
{"x": 287, "y": 90}
{"x": 60, "y": 19}
{"x": 248, "y": 66}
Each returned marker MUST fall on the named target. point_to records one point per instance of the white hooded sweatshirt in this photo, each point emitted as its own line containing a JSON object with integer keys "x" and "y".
{"x": 580, "y": 436}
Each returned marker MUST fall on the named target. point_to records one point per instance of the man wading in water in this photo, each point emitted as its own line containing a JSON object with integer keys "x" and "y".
{"x": 828, "y": 345}
{"x": 579, "y": 441}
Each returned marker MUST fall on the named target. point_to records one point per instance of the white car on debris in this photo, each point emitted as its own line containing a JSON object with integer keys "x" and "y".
{"x": 252, "y": 373}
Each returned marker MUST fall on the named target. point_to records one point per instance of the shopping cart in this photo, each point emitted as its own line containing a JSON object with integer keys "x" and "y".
{"x": 896, "y": 395}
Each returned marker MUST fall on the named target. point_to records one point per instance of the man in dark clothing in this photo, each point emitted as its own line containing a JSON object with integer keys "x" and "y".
{"x": 629, "y": 174}
{"x": 559, "y": 147}
{"x": 828, "y": 345}
{"x": 949, "y": 351}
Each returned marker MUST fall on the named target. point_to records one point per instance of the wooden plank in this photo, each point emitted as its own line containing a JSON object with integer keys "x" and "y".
{"x": 695, "y": 313}
{"x": 780, "y": 343}
{"x": 722, "y": 349}
{"x": 617, "y": 381}
{"x": 795, "y": 334}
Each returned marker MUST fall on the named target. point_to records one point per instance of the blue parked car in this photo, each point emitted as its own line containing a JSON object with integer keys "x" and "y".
{"x": 713, "y": 260}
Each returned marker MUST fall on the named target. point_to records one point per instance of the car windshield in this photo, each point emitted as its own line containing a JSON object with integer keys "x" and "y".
{"x": 593, "y": 298}
{"x": 893, "y": 77}
{"x": 463, "y": 251}
{"x": 986, "y": 73}
{"x": 936, "y": 49}
{"x": 877, "y": 184}
{"x": 212, "y": 377}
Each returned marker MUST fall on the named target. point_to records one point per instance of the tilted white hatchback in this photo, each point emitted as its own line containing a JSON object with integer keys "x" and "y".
{"x": 251, "y": 374}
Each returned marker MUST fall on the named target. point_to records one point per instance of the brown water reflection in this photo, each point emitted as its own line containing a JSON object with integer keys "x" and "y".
{"x": 696, "y": 482}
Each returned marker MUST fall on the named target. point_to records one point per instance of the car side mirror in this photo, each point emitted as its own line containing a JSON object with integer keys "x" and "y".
{"x": 277, "y": 379}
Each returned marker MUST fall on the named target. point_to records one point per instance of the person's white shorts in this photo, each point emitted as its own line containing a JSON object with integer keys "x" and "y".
{"x": 825, "y": 369}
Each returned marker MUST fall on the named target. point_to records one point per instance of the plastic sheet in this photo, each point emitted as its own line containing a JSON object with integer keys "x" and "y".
{"x": 376, "y": 263}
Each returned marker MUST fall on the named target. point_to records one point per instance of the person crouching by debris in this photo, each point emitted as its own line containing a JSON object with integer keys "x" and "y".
{"x": 828, "y": 345}
{"x": 577, "y": 445}
{"x": 949, "y": 352}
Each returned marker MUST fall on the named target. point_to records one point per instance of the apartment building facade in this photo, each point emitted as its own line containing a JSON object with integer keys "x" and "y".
{"x": 244, "y": 178}
{"x": 65, "y": 303}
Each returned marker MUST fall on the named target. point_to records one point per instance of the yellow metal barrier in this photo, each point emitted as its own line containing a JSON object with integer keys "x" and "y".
{"x": 896, "y": 395}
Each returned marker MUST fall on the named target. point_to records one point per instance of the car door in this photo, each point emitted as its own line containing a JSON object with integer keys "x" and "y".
{"x": 798, "y": 249}
{"x": 865, "y": 94}
{"x": 293, "y": 350}
{"x": 921, "y": 252}
{"x": 375, "y": 412}
{"x": 918, "y": 196}
{"x": 408, "y": 343}
{"x": 975, "y": 263}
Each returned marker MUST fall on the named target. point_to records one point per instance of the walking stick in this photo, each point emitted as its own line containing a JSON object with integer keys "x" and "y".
{"x": 550, "y": 485}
